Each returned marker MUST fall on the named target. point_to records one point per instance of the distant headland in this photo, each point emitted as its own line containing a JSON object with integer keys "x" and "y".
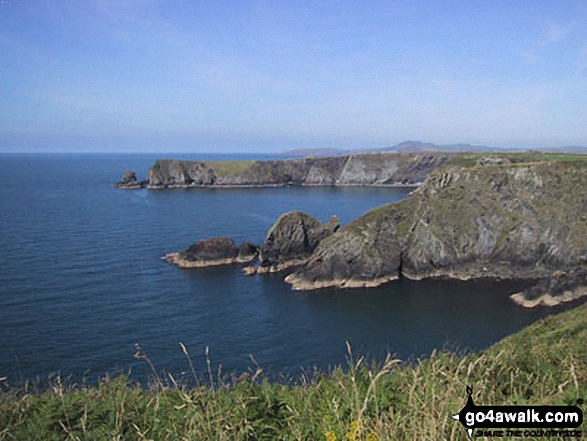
{"x": 381, "y": 169}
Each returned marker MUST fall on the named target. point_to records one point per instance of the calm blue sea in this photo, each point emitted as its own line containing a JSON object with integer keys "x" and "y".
{"x": 82, "y": 281}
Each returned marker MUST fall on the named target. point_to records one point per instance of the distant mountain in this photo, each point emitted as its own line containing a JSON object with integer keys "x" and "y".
{"x": 318, "y": 152}
{"x": 423, "y": 147}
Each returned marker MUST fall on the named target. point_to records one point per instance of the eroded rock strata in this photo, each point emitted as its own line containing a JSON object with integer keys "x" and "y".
{"x": 518, "y": 217}
{"x": 521, "y": 220}
{"x": 292, "y": 240}
{"x": 368, "y": 169}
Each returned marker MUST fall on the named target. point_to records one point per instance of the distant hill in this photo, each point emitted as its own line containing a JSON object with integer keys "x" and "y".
{"x": 423, "y": 147}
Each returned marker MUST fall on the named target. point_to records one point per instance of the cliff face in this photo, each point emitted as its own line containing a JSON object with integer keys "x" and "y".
{"x": 371, "y": 169}
{"x": 292, "y": 239}
{"x": 522, "y": 220}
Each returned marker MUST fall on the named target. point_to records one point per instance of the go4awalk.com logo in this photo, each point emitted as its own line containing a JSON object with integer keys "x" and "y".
{"x": 520, "y": 421}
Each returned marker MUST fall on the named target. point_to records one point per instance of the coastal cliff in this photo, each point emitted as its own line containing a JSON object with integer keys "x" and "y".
{"x": 513, "y": 216}
{"x": 491, "y": 217}
{"x": 368, "y": 169}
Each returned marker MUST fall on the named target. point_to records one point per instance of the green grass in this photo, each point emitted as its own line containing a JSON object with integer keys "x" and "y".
{"x": 545, "y": 363}
{"x": 229, "y": 168}
{"x": 519, "y": 158}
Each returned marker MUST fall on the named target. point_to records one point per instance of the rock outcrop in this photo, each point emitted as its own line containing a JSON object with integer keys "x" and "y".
{"x": 129, "y": 181}
{"x": 211, "y": 252}
{"x": 291, "y": 241}
{"x": 515, "y": 216}
{"x": 385, "y": 169}
{"x": 561, "y": 287}
{"x": 520, "y": 220}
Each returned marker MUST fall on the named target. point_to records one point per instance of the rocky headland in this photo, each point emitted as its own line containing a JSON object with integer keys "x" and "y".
{"x": 291, "y": 241}
{"x": 385, "y": 169}
{"x": 504, "y": 218}
{"x": 515, "y": 216}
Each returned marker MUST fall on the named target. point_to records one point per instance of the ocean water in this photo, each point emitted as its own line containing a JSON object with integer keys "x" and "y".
{"x": 82, "y": 281}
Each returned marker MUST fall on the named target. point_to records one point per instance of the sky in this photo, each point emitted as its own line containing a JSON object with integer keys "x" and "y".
{"x": 267, "y": 76}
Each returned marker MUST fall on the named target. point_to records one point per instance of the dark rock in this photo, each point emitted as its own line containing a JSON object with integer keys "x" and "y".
{"x": 561, "y": 287}
{"x": 217, "y": 248}
{"x": 292, "y": 240}
{"x": 247, "y": 252}
{"x": 206, "y": 252}
{"x": 359, "y": 255}
{"x": 129, "y": 181}
{"x": 215, "y": 251}
{"x": 461, "y": 225}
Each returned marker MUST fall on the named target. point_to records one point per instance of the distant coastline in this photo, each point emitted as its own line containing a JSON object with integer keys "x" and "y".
{"x": 428, "y": 147}
{"x": 376, "y": 170}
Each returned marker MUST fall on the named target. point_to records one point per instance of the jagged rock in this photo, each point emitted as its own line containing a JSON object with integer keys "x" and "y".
{"x": 514, "y": 221}
{"x": 519, "y": 220}
{"x": 171, "y": 173}
{"x": 292, "y": 239}
{"x": 129, "y": 181}
{"x": 211, "y": 252}
{"x": 360, "y": 255}
{"x": 362, "y": 169}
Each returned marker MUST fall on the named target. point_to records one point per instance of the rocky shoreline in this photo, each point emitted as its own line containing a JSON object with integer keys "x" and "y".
{"x": 499, "y": 218}
{"x": 377, "y": 170}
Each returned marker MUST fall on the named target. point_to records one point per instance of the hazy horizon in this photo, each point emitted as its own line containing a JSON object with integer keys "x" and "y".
{"x": 259, "y": 77}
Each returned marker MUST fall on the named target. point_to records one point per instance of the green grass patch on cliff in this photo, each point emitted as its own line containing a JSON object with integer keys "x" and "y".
{"x": 545, "y": 363}
{"x": 518, "y": 158}
{"x": 229, "y": 168}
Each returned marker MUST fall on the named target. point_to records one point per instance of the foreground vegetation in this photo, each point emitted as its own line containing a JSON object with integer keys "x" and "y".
{"x": 545, "y": 363}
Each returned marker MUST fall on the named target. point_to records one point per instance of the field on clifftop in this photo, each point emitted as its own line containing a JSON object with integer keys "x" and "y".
{"x": 544, "y": 364}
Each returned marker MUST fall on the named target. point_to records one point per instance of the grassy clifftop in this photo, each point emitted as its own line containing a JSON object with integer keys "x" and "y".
{"x": 505, "y": 216}
{"x": 545, "y": 363}
{"x": 366, "y": 169}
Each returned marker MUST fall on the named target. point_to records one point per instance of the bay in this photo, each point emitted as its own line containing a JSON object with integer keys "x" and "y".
{"x": 82, "y": 280}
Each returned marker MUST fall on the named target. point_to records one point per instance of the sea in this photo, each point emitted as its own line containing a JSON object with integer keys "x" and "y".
{"x": 83, "y": 282}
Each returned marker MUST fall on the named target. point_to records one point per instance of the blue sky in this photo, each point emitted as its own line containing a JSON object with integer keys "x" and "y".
{"x": 265, "y": 76}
